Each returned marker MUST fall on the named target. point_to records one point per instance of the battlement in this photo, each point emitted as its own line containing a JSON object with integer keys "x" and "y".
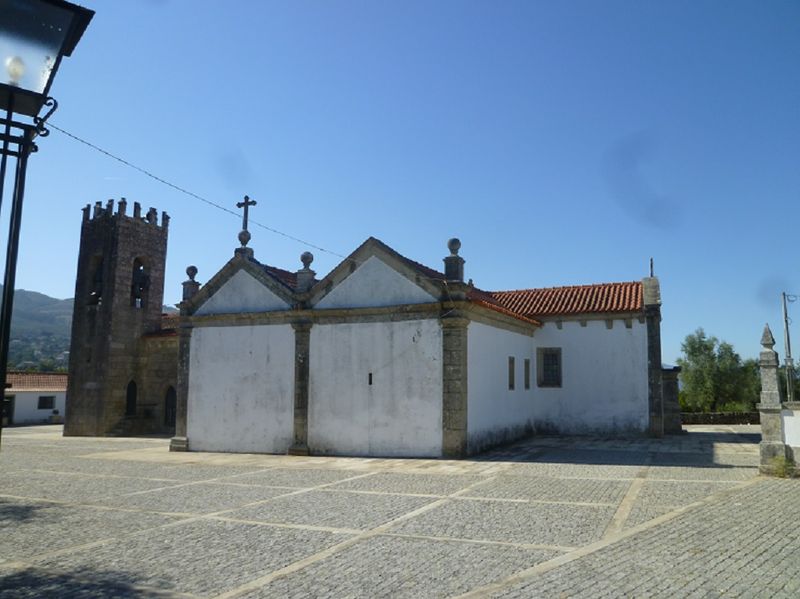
{"x": 107, "y": 211}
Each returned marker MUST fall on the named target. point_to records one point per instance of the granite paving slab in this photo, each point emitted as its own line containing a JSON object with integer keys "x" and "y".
{"x": 710, "y": 551}
{"x": 203, "y": 557}
{"x": 385, "y": 566}
{"x": 528, "y": 523}
{"x": 298, "y": 477}
{"x": 581, "y": 471}
{"x": 713, "y": 473}
{"x": 197, "y": 498}
{"x": 420, "y": 484}
{"x": 551, "y": 489}
{"x": 29, "y": 528}
{"x": 58, "y": 486}
{"x": 336, "y": 509}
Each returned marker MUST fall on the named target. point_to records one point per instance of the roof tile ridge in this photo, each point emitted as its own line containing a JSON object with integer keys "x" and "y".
{"x": 557, "y": 287}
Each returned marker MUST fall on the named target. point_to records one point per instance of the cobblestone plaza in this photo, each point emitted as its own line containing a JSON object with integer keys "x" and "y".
{"x": 550, "y": 517}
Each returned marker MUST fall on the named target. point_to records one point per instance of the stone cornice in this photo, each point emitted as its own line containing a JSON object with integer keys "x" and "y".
{"x": 593, "y": 316}
{"x": 459, "y": 309}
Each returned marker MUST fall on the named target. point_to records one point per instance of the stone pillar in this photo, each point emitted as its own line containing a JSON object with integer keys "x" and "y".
{"x": 302, "y": 345}
{"x": 454, "y": 264}
{"x": 190, "y": 287}
{"x": 772, "y": 445}
{"x": 652, "y": 315}
{"x": 672, "y": 408}
{"x": 454, "y": 385}
{"x": 305, "y": 276}
{"x": 180, "y": 442}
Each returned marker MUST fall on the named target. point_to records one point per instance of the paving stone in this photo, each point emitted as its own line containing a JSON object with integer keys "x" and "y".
{"x": 711, "y": 551}
{"x": 202, "y": 557}
{"x": 721, "y": 473}
{"x": 531, "y": 523}
{"x": 581, "y": 471}
{"x": 73, "y": 487}
{"x": 674, "y": 493}
{"x": 552, "y": 489}
{"x": 400, "y": 567}
{"x": 29, "y": 528}
{"x": 199, "y": 498}
{"x": 421, "y": 484}
{"x": 739, "y": 545}
{"x": 332, "y": 509}
{"x": 297, "y": 477}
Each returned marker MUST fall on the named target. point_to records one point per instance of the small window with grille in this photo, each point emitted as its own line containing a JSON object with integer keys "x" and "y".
{"x": 548, "y": 366}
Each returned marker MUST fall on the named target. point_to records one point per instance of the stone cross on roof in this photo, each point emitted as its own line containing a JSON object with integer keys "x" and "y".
{"x": 244, "y": 234}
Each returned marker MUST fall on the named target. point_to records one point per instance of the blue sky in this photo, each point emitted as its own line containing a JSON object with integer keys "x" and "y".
{"x": 563, "y": 142}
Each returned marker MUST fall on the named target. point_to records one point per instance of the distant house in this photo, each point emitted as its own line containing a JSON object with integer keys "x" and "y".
{"x": 35, "y": 397}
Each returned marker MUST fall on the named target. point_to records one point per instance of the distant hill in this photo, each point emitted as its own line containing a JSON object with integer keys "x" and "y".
{"x": 40, "y": 330}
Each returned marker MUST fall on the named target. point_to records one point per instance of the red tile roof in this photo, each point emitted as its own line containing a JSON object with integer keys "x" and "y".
{"x": 286, "y": 277}
{"x": 36, "y": 381}
{"x": 170, "y": 320}
{"x": 576, "y": 299}
{"x": 502, "y": 310}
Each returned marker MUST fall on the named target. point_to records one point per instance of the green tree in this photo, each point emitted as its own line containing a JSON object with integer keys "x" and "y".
{"x": 714, "y": 377}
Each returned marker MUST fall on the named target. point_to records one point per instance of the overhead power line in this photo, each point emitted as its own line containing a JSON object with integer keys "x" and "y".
{"x": 185, "y": 191}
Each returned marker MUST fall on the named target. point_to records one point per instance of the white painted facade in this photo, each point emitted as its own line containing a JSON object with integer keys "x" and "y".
{"x": 242, "y": 293}
{"x": 496, "y": 413}
{"x": 374, "y": 284}
{"x": 241, "y": 388}
{"x": 791, "y": 427}
{"x": 26, "y": 406}
{"x": 400, "y": 412}
{"x": 604, "y": 378}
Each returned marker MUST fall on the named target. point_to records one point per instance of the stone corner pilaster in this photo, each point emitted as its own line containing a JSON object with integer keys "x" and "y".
{"x": 298, "y": 449}
{"x": 655, "y": 393}
{"x": 454, "y": 385}
{"x": 302, "y": 354}
{"x": 179, "y": 444}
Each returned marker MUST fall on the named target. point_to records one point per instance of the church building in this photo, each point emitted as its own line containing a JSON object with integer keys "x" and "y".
{"x": 380, "y": 357}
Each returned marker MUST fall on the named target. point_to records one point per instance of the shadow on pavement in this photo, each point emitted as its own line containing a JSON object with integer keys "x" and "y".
{"x": 34, "y": 582}
{"x": 694, "y": 449}
{"x": 17, "y": 512}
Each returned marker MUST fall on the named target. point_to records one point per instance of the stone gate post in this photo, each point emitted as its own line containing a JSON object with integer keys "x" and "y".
{"x": 772, "y": 445}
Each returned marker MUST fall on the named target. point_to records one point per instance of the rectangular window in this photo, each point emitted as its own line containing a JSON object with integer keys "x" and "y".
{"x": 47, "y": 402}
{"x": 527, "y": 372}
{"x": 548, "y": 366}
{"x": 510, "y": 373}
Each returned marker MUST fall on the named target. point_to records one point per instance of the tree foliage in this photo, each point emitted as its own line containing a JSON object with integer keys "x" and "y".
{"x": 714, "y": 378}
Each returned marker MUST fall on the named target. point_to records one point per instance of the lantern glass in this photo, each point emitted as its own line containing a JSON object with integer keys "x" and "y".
{"x": 32, "y": 35}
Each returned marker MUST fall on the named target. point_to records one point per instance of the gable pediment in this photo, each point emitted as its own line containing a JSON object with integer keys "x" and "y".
{"x": 373, "y": 276}
{"x": 242, "y": 286}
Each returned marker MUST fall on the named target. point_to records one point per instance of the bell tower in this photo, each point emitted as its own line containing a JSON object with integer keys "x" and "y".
{"x": 119, "y": 292}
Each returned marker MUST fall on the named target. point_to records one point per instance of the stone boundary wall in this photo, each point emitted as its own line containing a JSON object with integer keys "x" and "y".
{"x": 720, "y": 418}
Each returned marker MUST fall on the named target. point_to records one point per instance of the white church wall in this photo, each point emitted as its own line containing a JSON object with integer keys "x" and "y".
{"x": 374, "y": 284}
{"x": 791, "y": 428}
{"x": 400, "y": 413}
{"x": 496, "y": 413}
{"x": 241, "y": 389}
{"x": 242, "y": 293}
{"x": 604, "y": 378}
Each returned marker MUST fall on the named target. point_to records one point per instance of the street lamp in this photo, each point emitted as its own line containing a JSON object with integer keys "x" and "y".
{"x": 34, "y": 36}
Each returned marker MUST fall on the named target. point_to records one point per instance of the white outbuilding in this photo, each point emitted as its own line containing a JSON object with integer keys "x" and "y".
{"x": 34, "y": 398}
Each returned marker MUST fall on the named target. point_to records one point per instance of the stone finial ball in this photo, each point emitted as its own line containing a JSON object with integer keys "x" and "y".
{"x": 191, "y": 271}
{"x": 454, "y": 245}
{"x": 244, "y": 237}
{"x": 306, "y": 258}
